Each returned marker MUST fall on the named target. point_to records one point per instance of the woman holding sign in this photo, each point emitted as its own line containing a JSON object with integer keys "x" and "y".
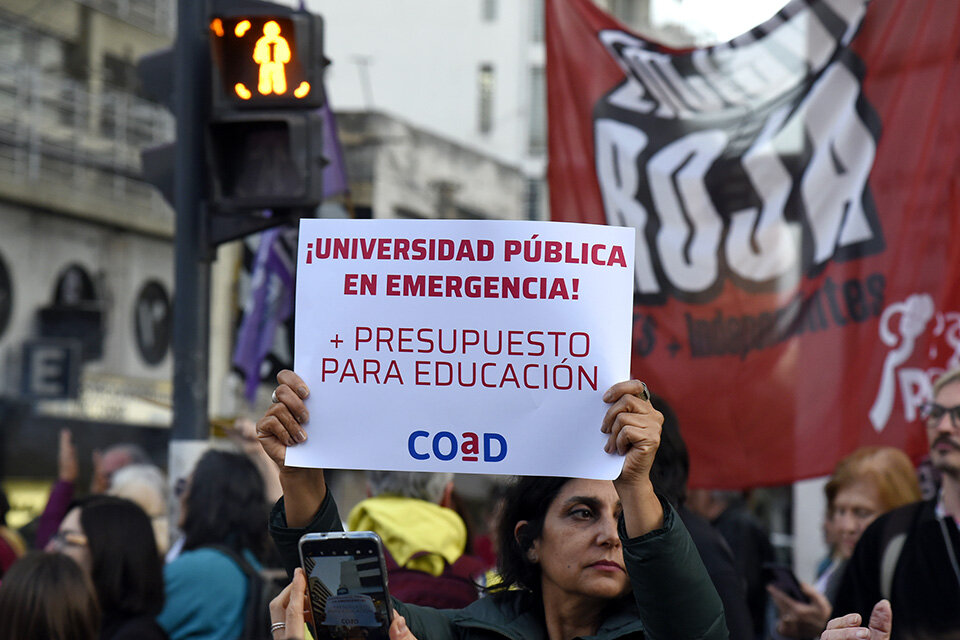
{"x": 578, "y": 557}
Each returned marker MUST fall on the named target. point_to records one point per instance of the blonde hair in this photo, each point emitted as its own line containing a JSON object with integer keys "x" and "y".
{"x": 946, "y": 378}
{"x": 888, "y": 469}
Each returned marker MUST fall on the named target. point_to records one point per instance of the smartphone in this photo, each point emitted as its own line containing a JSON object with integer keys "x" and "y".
{"x": 781, "y": 576}
{"x": 347, "y": 583}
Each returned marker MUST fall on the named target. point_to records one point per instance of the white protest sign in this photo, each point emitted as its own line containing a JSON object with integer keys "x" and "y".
{"x": 460, "y": 345}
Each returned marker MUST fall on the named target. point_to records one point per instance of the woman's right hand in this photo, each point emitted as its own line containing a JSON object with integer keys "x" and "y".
{"x": 282, "y": 425}
{"x": 304, "y": 489}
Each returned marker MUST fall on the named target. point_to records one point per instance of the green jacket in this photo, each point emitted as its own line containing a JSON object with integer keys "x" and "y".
{"x": 674, "y": 598}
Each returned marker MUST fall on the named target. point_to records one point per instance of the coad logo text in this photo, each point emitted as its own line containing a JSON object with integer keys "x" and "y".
{"x": 444, "y": 445}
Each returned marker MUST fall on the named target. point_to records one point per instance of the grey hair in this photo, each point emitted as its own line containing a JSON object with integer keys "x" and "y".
{"x": 145, "y": 484}
{"x": 409, "y": 484}
{"x": 135, "y": 452}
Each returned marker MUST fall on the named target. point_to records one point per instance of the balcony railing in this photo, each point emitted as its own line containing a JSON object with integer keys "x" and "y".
{"x": 55, "y": 132}
{"x": 156, "y": 16}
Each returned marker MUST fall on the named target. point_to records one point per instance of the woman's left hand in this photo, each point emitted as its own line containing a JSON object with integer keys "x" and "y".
{"x": 288, "y": 608}
{"x": 634, "y": 428}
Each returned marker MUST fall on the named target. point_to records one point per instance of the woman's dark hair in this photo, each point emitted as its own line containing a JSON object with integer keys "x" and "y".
{"x": 671, "y": 466}
{"x": 126, "y": 568}
{"x": 47, "y": 596}
{"x": 528, "y": 498}
{"x": 226, "y": 504}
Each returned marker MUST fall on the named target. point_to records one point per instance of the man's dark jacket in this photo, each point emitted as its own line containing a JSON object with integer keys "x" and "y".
{"x": 925, "y": 593}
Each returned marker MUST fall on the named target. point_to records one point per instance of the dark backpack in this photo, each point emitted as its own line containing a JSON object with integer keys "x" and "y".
{"x": 455, "y": 588}
{"x": 260, "y": 591}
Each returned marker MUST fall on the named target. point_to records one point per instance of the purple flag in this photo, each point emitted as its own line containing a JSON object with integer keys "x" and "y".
{"x": 269, "y": 304}
{"x": 335, "y": 173}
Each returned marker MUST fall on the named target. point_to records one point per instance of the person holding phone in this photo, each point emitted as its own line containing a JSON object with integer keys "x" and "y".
{"x": 577, "y": 557}
{"x": 869, "y": 482}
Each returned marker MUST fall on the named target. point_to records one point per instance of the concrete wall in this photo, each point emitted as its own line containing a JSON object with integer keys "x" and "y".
{"x": 37, "y": 246}
{"x": 415, "y": 172}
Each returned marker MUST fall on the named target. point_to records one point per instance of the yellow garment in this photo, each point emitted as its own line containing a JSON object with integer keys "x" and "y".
{"x": 14, "y": 540}
{"x": 408, "y": 526}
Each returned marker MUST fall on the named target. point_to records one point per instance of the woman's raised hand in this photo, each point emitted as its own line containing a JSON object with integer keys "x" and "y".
{"x": 282, "y": 425}
{"x": 633, "y": 427}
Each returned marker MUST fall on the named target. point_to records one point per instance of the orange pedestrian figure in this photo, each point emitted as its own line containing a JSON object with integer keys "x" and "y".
{"x": 272, "y": 52}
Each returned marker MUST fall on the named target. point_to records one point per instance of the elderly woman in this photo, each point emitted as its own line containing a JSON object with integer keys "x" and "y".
{"x": 578, "y": 557}
{"x": 864, "y": 485}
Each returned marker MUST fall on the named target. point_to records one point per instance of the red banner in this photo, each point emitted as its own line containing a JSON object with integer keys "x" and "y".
{"x": 796, "y": 196}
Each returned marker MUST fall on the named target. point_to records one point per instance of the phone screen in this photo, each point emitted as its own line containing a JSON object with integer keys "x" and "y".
{"x": 348, "y": 594}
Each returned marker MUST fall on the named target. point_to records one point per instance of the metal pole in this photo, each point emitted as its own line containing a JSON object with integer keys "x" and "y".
{"x": 191, "y": 309}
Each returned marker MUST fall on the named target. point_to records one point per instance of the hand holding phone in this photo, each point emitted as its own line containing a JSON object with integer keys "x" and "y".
{"x": 782, "y": 577}
{"x": 347, "y": 584}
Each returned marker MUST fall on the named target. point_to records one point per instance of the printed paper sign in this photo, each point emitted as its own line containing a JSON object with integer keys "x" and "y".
{"x": 461, "y": 346}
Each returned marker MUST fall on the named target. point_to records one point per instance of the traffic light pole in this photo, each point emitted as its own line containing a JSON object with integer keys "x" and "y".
{"x": 191, "y": 308}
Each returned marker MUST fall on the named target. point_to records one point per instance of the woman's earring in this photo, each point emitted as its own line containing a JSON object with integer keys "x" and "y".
{"x": 532, "y": 556}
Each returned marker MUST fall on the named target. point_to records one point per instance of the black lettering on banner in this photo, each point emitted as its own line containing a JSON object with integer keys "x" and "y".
{"x": 729, "y": 176}
{"x": 718, "y": 334}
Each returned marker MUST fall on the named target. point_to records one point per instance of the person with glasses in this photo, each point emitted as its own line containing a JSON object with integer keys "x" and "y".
{"x": 112, "y": 540}
{"x": 910, "y": 555}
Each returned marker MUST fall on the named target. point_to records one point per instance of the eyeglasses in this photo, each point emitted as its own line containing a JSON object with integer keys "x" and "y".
{"x": 64, "y": 539}
{"x": 933, "y": 413}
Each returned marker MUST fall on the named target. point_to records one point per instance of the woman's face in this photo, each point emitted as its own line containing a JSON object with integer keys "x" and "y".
{"x": 71, "y": 541}
{"x": 854, "y": 508}
{"x": 579, "y": 551}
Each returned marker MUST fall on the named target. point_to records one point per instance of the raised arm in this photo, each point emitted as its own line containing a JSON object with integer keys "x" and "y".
{"x": 283, "y": 426}
{"x": 673, "y": 591}
{"x": 634, "y": 429}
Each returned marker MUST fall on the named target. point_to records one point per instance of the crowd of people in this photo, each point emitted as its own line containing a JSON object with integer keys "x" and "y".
{"x": 638, "y": 557}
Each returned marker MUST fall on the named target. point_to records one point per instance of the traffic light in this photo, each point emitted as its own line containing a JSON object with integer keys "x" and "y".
{"x": 265, "y": 131}
{"x": 245, "y": 83}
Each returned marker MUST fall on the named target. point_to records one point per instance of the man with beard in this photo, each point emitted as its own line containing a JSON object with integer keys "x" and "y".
{"x": 910, "y": 555}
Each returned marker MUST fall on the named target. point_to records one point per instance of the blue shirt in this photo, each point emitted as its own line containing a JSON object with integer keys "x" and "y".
{"x": 205, "y": 596}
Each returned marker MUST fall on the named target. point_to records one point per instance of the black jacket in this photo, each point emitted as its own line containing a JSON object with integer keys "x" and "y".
{"x": 718, "y": 560}
{"x": 925, "y": 593}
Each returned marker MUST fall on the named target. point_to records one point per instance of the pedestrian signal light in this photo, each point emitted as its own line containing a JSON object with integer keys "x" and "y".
{"x": 267, "y": 61}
